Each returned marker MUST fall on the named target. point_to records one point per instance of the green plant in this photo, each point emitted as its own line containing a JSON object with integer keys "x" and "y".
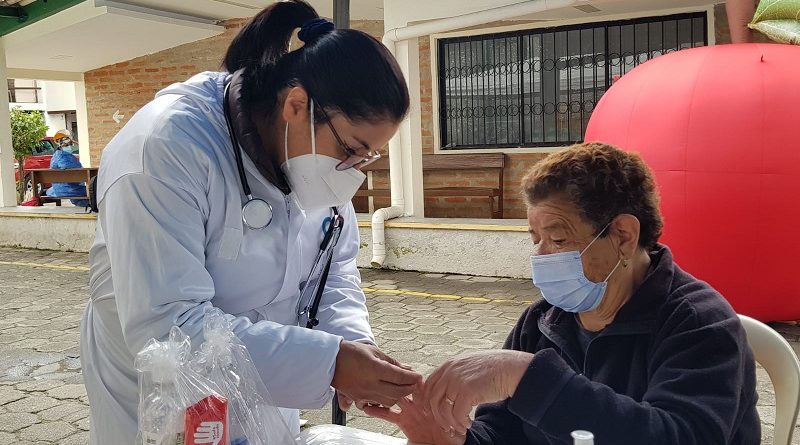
{"x": 779, "y": 20}
{"x": 27, "y": 128}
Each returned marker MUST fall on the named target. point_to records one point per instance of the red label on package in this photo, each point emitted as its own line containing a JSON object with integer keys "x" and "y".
{"x": 207, "y": 422}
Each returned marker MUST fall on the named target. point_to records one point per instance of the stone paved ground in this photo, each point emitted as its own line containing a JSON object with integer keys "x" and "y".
{"x": 420, "y": 319}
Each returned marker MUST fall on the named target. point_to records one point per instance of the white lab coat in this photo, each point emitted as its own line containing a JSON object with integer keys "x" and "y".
{"x": 170, "y": 242}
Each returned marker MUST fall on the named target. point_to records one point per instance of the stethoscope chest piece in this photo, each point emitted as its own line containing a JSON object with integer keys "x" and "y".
{"x": 256, "y": 213}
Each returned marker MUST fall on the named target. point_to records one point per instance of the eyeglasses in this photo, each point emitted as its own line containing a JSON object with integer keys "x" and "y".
{"x": 353, "y": 158}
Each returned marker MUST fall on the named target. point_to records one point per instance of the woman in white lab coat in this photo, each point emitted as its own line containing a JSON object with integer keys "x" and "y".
{"x": 219, "y": 193}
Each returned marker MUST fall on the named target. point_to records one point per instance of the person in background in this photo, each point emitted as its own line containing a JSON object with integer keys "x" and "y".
{"x": 625, "y": 343}
{"x": 63, "y": 158}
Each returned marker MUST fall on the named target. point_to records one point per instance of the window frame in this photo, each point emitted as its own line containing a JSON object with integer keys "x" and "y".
{"x": 37, "y": 92}
{"x": 549, "y": 147}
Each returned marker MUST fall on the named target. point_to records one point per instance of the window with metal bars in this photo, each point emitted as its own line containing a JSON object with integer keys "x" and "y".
{"x": 538, "y": 87}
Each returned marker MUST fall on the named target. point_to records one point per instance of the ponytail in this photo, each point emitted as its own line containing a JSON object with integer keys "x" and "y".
{"x": 343, "y": 70}
{"x": 265, "y": 39}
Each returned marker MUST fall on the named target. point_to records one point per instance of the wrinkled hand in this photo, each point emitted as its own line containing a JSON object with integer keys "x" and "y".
{"x": 364, "y": 374}
{"x": 467, "y": 381}
{"x": 418, "y": 426}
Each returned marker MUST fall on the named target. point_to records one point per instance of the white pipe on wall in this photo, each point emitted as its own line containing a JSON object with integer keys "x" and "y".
{"x": 396, "y": 144}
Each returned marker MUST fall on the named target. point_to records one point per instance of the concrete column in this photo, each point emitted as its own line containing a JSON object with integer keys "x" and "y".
{"x": 8, "y": 191}
{"x": 411, "y": 131}
{"x": 83, "y": 124}
{"x": 341, "y": 13}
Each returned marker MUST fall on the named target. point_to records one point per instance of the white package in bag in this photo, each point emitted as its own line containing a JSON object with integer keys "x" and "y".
{"x": 342, "y": 435}
{"x": 224, "y": 361}
{"x": 167, "y": 386}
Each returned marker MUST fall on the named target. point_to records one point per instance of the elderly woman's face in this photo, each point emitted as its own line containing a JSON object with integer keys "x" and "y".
{"x": 556, "y": 226}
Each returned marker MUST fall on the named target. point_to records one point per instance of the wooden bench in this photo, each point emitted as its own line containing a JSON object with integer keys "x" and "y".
{"x": 493, "y": 162}
{"x": 41, "y": 176}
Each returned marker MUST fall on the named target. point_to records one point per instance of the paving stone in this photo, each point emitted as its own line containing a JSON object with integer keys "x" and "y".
{"x": 74, "y": 391}
{"x": 62, "y": 411}
{"x": 51, "y": 432}
{"x": 390, "y": 336}
{"x": 83, "y": 424}
{"x": 56, "y": 346}
{"x": 79, "y": 414}
{"x": 47, "y": 369}
{"x": 81, "y": 438}
{"x": 8, "y": 394}
{"x": 396, "y": 327}
{"x": 428, "y": 321}
{"x": 32, "y": 404}
{"x": 429, "y": 329}
{"x": 28, "y": 343}
{"x": 12, "y": 422}
{"x": 7, "y": 439}
{"x": 476, "y": 343}
{"x": 484, "y": 279}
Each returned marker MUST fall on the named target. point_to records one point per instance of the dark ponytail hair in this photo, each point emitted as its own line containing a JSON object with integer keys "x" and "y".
{"x": 343, "y": 70}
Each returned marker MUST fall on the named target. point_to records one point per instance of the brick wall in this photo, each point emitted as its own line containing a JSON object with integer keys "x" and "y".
{"x": 722, "y": 32}
{"x": 129, "y": 85}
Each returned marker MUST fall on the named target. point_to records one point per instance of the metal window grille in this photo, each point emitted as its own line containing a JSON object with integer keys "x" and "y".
{"x": 538, "y": 87}
{"x": 24, "y": 94}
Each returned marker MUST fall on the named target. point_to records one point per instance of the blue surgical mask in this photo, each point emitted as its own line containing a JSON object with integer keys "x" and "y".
{"x": 560, "y": 278}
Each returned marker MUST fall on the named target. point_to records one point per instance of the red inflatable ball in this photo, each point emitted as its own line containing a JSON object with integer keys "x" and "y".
{"x": 720, "y": 127}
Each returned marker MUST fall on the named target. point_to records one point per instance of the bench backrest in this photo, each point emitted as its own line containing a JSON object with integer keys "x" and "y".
{"x": 449, "y": 162}
{"x": 47, "y": 175}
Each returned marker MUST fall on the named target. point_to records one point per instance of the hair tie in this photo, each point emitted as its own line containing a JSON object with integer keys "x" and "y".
{"x": 314, "y": 29}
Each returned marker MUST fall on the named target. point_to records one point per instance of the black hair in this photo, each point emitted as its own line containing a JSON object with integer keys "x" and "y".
{"x": 343, "y": 70}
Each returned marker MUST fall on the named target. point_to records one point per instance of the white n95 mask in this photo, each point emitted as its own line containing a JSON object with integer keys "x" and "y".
{"x": 314, "y": 179}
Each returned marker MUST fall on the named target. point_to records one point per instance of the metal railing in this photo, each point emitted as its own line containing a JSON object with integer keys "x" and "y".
{"x": 538, "y": 87}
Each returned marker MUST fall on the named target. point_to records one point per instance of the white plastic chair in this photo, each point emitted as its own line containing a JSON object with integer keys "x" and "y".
{"x": 775, "y": 354}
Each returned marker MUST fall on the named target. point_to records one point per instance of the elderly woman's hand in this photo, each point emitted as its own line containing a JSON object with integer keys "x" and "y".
{"x": 415, "y": 423}
{"x": 467, "y": 381}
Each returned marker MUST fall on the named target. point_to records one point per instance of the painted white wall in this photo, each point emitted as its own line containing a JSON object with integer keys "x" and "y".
{"x": 55, "y": 122}
{"x": 82, "y": 116}
{"x": 401, "y": 13}
{"x": 74, "y": 234}
{"x": 59, "y": 96}
{"x": 8, "y": 193}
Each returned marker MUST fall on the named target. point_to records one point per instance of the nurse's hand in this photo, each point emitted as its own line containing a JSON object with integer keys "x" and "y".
{"x": 367, "y": 375}
{"x": 467, "y": 381}
{"x": 344, "y": 402}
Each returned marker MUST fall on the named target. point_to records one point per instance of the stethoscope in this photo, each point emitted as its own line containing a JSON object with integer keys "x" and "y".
{"x": 257, "y": 214}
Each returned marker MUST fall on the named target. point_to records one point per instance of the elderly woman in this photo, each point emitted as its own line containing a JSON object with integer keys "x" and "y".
{"x": 625, "y": 344}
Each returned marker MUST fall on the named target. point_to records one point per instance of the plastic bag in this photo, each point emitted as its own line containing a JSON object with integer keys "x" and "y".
{"x": 224, "y": 361}
{"x": 342, "y": 435}
{"x": 214, "y": 396}
{"x": 167, "y": 388}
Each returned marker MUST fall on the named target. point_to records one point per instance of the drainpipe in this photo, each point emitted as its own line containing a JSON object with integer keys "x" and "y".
{"x": 397, "y": 158}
